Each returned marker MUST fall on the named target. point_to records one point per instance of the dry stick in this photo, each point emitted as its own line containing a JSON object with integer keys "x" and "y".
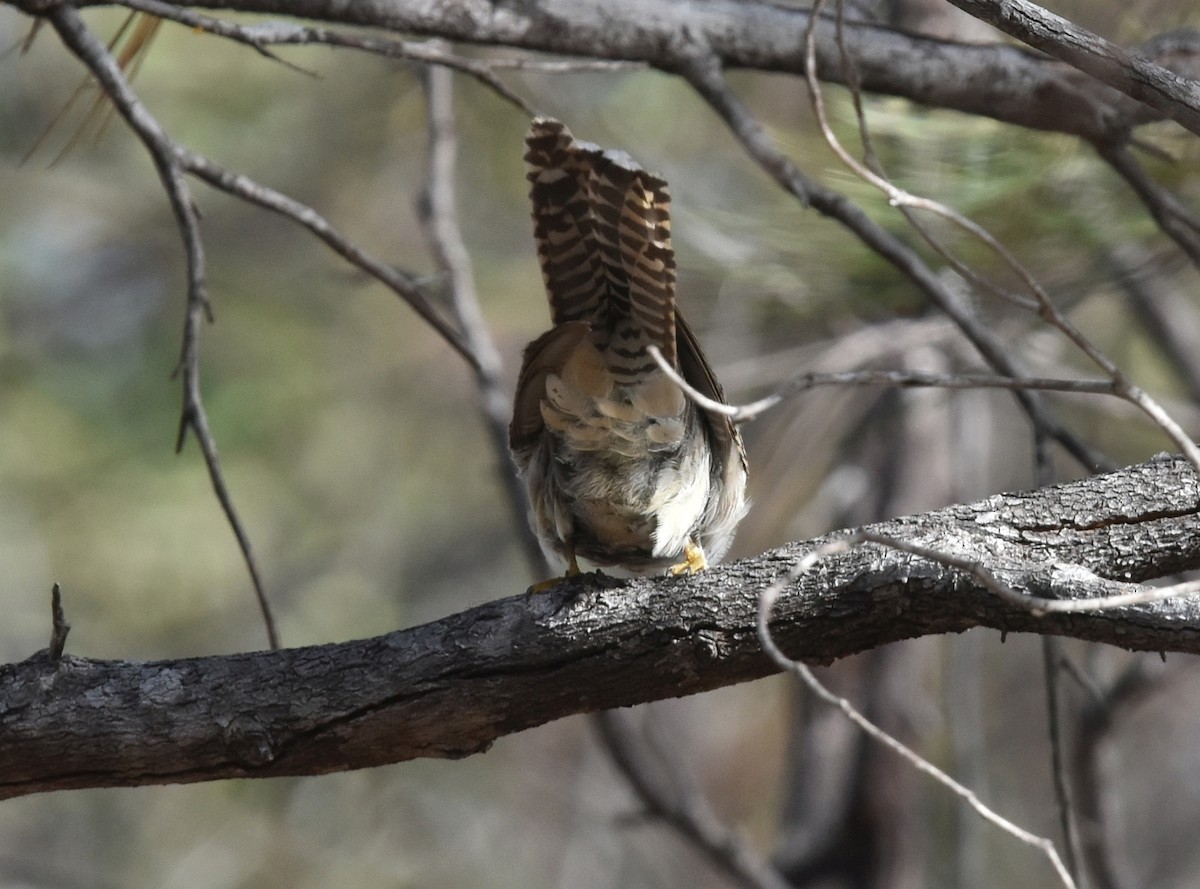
{"x": 702, "y": 69}
{"x": 84, "y": 45}
{"x": 899, "y": 379}
{"x": 853, "y": 84}
{"x": 440, "y": 218}
{"x": 1051, "y": 658}
{"x": 1043, "y": 458}
{"x": 58, "y": 624}
{"x": 767, "y": 605}
{"x": 210, "y": 25}
{"x": 399, "y": 282}
{"x": 898, "y": 197}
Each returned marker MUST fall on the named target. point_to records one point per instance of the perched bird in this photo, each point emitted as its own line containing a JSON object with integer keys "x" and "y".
{"x": 624, "y": 471}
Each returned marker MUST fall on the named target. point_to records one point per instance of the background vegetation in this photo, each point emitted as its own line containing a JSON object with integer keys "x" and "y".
{"x": 352, "y": 442}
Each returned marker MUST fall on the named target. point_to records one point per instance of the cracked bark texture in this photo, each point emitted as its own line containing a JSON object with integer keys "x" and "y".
{"x": 451, "y": 687}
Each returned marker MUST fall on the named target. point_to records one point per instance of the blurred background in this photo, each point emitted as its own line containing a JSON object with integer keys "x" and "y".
{"x": 351, "y": 439}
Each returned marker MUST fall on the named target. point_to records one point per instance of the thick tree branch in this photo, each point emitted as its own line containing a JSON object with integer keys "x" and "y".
{"x": 451, "y": 687}
{"x": 1136, "y": 77}
{"x": 1002, "y": 82}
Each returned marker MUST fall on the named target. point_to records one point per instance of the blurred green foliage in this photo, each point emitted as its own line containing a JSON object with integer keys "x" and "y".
{"x": 350, "y": 434}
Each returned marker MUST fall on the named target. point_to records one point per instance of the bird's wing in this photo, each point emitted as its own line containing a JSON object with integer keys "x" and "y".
{"x": 695, "y": 369}
{"x": 544, "y": 356}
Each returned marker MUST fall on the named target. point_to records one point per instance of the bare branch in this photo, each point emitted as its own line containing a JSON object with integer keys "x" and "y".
{"x": 1003, "y": 82}
{"x": 449, "y": 688}
{"x": 403, "y": 284}
{"x": 1051, "y": 661}
{"x": 898, "y": 379}
{"x": 1176, "y": 97}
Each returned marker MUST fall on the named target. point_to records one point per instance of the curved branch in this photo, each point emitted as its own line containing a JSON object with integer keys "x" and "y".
{"x": 451, "y": 687}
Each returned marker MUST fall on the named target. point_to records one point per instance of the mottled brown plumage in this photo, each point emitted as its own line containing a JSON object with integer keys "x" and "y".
{"x": 622, "y": 469}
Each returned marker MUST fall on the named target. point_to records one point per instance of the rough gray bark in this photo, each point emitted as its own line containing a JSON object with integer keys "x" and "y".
{"x": 1003, "y": 82}
{"x": 1139, "y": 78}
{"x": 451, "y": 687}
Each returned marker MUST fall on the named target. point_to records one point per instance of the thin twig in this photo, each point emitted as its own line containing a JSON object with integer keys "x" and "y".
{"x": 898, "y": 379}
{"x": 80, "y": 41}
{"x": 871, "y": 159}
{"x": 440, "y": 218}
{"x": 1043, "y": 458}
{"x": 402, "y": 284}
{"x": 767, "y": 604}
{"x": 1062, "y": 792}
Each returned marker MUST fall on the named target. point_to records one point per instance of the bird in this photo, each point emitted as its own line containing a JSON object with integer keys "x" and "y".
{"x": 625, "y": 473}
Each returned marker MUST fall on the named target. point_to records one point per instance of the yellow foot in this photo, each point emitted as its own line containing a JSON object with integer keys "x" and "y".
{"x": 693, "y": 560}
